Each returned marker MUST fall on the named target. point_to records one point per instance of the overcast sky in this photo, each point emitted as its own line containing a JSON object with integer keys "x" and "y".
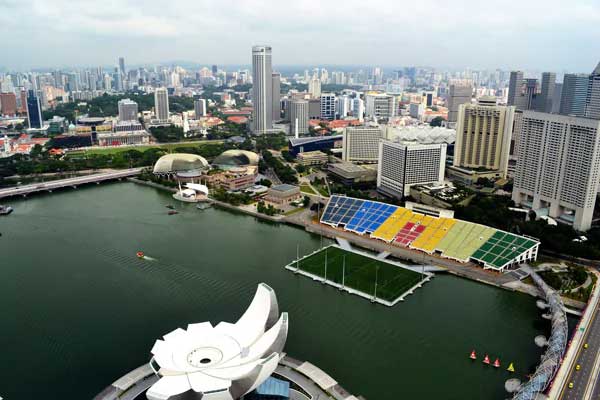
{"x": 555, "y": 35}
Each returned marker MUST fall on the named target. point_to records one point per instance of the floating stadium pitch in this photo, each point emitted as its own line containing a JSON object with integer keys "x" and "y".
{"x": 358, "y": 273}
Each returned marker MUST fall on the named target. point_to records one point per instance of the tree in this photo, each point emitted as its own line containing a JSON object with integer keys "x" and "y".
{"x": 437, "y": 121}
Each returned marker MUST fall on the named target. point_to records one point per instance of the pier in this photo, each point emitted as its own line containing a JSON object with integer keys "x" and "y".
{"x": 50, "y": 186}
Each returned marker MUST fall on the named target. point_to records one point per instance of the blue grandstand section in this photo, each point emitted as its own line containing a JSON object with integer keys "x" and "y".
{"x": 370, "y": 216}
{"x": 340, "y": 210}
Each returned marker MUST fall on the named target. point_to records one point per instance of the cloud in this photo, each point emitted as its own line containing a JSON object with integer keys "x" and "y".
{"x": 511, "y": 34}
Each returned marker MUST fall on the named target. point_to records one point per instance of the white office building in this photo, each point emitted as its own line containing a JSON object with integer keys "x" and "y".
{"x": 262, "y": 90}
{"x": 343, "y": 107}
{"x": 128, "y": 110}
{"x": 314, "y": 87}
{"x": 361, "y": 144}
{"x": 358, "y": 108}
{"x": 458, "y": 94}
{"x": 298, "y": 117}
{"x": 328, "y": 106}
{"x": 559, "y": 167}
{"x": 402, "y": 165}
{"x": 161, "y": 105}
{"x": 380, "y": 106}
{"x": 200, "y": 108}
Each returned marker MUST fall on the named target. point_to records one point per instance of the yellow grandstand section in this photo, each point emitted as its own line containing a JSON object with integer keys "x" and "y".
{"x": 388, "y": 230}
{"x": 436, "y": 230}
{"x": 463, "y": 240}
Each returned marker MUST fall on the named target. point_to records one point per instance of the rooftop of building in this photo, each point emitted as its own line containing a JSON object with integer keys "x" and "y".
{"x": 305, "y": 140}
{"x": 283, "y": 187}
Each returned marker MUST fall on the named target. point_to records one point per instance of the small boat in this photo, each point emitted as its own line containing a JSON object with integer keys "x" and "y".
{"x": 5, "y": 210}
{"x": 173, "y": 212}
{"x": 473, "y": 356}
{"x": 170, "y": 206}
{"x": 497, "y": 363}
{"x": 486, "y": 359}
{"x": 140, "y": 254}
{"x": 511, "y": 368}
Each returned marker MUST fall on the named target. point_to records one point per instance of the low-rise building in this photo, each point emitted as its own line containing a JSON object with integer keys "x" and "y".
{"x": 349, "y": 174}
{"x": 283, "y": 194}
{"x": 233, "y": 179}
{"x": 312, "y": 158}
{"x": 442, "y": 196}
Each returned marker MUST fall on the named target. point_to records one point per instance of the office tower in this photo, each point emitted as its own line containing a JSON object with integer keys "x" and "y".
{"x": 483, "y": 135}
{"x": 34, "y": 111}
{"x": 214, "y": 70}
{"x": 298, "y": 117}
{"x": 458, "y": 94}
{"x": 515, "y": 85}
{"x": 358, "y": 108}
{"x": 526, "y": 100}
{"x": 380, "y": 106}
{"x": 8, "y": 104}
{"x": 314, "y": 87}
{"x": 23, "y": 102}
{"x": 128, "y": 110}
{"x": 107, "y": 82}
{"x": 342, "y": 108}
{"x": 161, "y": 104}
{"x": 276, "y": 85}
{"x": 262, "y": 90}
{"x": 592, "y": 104}
{"x": 200, "y": 108}
{"x": 416, "y": 110}
{"x": 574, "y": 94}
{"x": 556, "y": 98}
{"x": 543, "y": 101}
{"x": 559, "y": 167}
{"x": 401, "y": 166}
{"x": 327, "y": 106}
{"x": 314, "y": 108}
{"x": 122, "y": 65}
{"x": 361, "y": 144}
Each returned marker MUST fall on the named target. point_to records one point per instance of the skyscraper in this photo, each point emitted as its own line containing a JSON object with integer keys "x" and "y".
{"x": 458, "y": 94}
{"x": 401, "y": 166}
{"x": 34, "y": 110}
{"x": 483, "y": 135}
{"x": 276, "y": 85}
{"x": 199, "y": 108}
{"x": 298, "y": 116}
{"x": 574, "y": 94}
{"x": 262, "y": 90}
{"x": 559, "y": 167}
{"x": 161, "y": 104}
{"x": 327, "y": 106}
{"x": 380, "y": 106}
{"x": 592, "y": 104}
{"x": 128, "y": 110}
{"x": 214, "y": 70}
{"x": 122, "y": 66}
{"x": 515, "y": 85}
{"x": 361, "y": 144}
{"x": 543, "y": 101}
{"x": 314, "y": 87}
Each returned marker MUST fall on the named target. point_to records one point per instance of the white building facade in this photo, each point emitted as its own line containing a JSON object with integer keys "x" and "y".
{"x": 262, "y": 90}
{"x": 361, "y": 144}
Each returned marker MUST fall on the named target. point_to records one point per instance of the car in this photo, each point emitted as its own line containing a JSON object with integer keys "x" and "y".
{"x": 577, "y": 367}
{"x": 570, "y": 385}
{"x": 585, "y": 345}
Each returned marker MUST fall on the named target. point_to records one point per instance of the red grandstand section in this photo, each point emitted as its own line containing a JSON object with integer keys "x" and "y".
{"x": 408, "y": 233}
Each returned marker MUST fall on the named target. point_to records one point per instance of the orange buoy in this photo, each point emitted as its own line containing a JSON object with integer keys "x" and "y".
{"x": 473, "y": 356}
{"x": 486, "y": 359}
{"x": 497, "y": 363}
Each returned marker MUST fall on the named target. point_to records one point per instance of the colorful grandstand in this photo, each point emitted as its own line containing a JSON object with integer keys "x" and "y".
{"x": 451, "y": 238}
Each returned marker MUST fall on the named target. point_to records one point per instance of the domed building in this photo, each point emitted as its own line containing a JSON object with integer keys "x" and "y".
{"x": 236, "y": 158}
{"x": 171, "y": 164}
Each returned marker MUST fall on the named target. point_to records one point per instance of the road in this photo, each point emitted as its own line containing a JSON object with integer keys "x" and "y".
{"x": 586, "y": 385}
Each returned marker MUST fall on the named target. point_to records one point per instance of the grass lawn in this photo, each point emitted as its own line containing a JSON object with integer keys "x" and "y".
{"x": 361, "y": 272}
{"x": 306, "y": 189}
{"x": 294, "y": 211}
{"x": 165, "y": 146}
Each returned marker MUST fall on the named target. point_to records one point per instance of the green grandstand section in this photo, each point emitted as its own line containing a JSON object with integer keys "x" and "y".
{"x": 503, "y": 248}
{"x": 359, "y": 272}
{"x": 463, "y": 239}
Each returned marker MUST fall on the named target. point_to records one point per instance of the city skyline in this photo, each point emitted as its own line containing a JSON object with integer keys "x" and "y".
{"x": 428, "y": 33}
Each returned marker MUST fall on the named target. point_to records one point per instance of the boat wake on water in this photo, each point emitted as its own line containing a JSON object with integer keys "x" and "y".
{"x": 142, "y": 256}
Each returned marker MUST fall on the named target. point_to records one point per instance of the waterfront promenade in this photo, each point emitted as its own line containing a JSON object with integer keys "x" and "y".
{"x": 50, "y": 186}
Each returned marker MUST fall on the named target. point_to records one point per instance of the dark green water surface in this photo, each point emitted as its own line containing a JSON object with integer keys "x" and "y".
{"x": 79, "y": 309}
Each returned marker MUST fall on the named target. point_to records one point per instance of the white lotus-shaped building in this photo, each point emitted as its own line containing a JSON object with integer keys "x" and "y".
{"x": 223, "y": 362}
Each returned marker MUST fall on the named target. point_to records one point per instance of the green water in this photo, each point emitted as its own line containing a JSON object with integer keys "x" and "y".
{"x": 79, "y": 309}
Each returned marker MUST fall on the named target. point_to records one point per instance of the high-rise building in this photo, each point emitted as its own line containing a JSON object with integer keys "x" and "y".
{"x": 199, "y": 108}
{"x": 298, "y": 117}
{"x": 559, "y": 167}
{"x": 358, "y": 108}
{"x": 276, "y": 85}
{"x": 483, "y": 135}
{"x": 458, "y": 94}
{"x": 161, "y": 104}
{"x": 401, "y": 166}
{"x": 314, "y": 87}
{"x": 526, "y": 100}
{"x": 592, "y": 104}
{"x": 34, "y": 110}
{"x": 556, "y": 98}
{"x": 574, "y": 94}
{"x": 8, "y": 104}
{"x": 122, "y": 66}
{"x": 262, "y": 89}
{"x": 343, "y": 107}
{"x": 128, "y": 110}
{"x": 361, "y": 144}
{"x": 543, "y": 101}
{"x": 214, "y": 70}
{"x": 380, "y": 106}
{"x": 515, "y": 85}
{"x": 327, "y": 106}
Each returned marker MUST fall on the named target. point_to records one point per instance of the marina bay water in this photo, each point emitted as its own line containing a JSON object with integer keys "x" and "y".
{"x": 79, "y": 309}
